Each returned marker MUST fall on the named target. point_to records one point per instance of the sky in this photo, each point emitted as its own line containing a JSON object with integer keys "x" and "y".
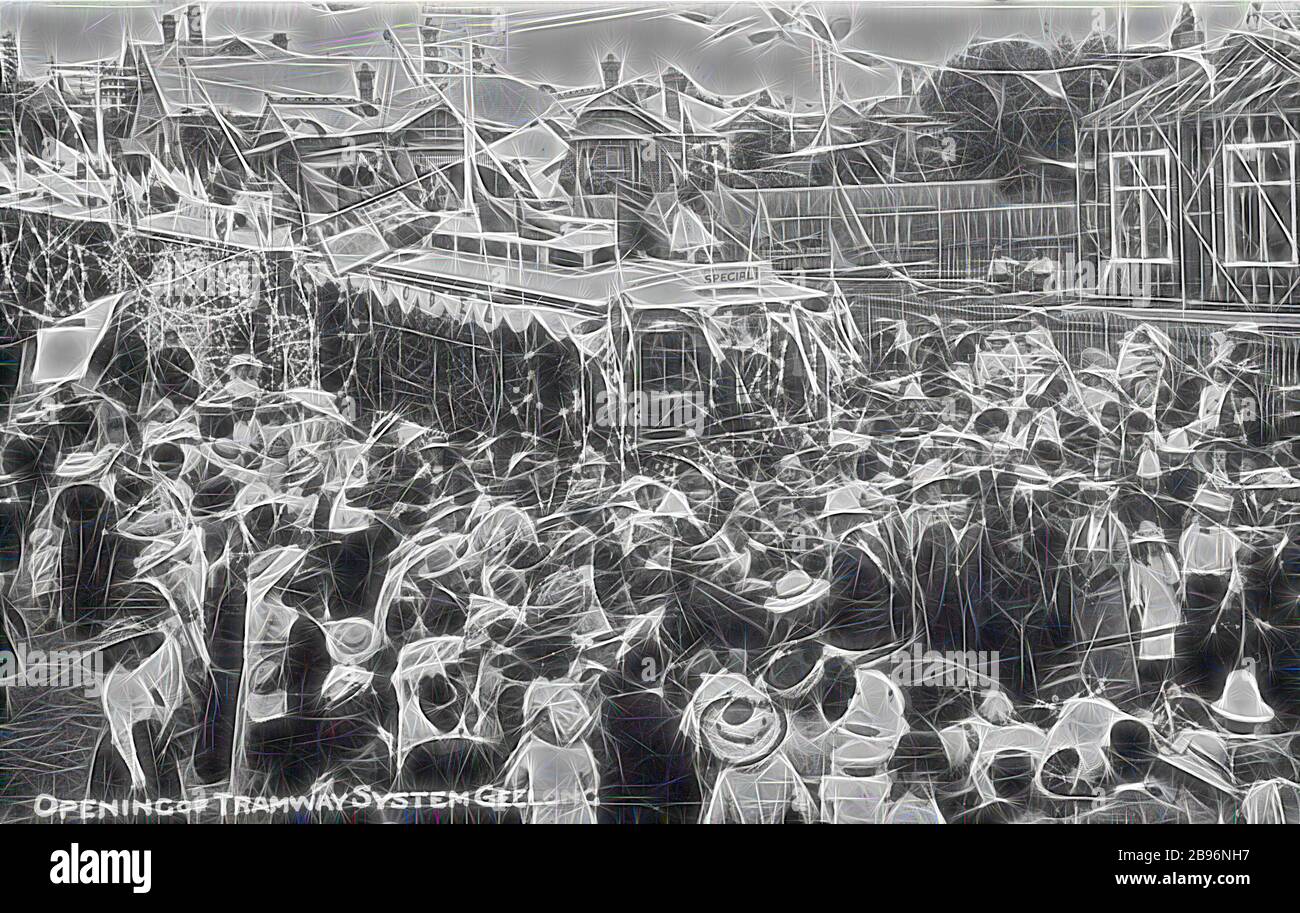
{"x": 561, "y": 44}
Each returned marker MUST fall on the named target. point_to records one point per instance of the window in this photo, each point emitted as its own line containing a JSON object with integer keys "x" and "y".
{"x": 610, "y": 163}
{"x": 615, "y": 160}
{"x": 669, "y": 362}
{"x": 755, "y": 367}
{"x": 1259, "y": 190}
{"x": 565, "y": 258}
{"x": 1140, "y": 206}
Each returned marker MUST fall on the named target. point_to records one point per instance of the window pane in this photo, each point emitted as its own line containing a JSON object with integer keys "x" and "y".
{"x": 1276, "y": 214}
{"x": 1152, "y": 169}
{"x": 668, "y": 362}
{"x": 1128, "y": 221}
{"x": 1124, "y": 175}
{"x": 565, "y": 257}
{"x": 1244, "y": 166}
{"x": 1277, "y": 164}
{"x": 1245, "y": 211}
{"x": 1155, "y": 216}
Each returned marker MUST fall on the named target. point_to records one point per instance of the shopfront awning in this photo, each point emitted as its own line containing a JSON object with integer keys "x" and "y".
{"x": 585, "y": 330}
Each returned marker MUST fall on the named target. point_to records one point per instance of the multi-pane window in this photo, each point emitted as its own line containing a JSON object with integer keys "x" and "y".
{"x": 613, "y": 163}
{"x": 1140, "y": 206}
{"x": 615, "y": 160}
{"x": 669, "y": 362}
{"x": 1259, "y": 190}
{"x": 608, "y": 166}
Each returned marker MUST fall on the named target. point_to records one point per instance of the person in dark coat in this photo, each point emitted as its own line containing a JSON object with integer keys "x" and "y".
{"x": 174, "y": 373}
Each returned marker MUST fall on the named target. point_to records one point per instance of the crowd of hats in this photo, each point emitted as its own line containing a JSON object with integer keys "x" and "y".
{"x": 1005, "y": 585}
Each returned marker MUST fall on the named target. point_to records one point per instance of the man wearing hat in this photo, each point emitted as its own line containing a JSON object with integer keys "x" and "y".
{"x": 243, "y": 374}
{"x": 1100, "y": 555}
{"x": 1154, "y": 580}
{"x": 740, "y": 734}
{"x": 1040, "y": 272}
{"x": 1208, "y": 551}
{"x": 1002, "y": 269}
{"x": 81, "y": 525}
{"x": 174, "y": 371}
{"x": 242, "y": 390}
{"x": 553, "y": 760}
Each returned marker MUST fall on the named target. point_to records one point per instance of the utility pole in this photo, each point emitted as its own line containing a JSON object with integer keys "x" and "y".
{"x": 467, "y": 121}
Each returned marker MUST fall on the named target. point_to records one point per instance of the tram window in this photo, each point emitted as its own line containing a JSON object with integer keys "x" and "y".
{"x": 603, "y": 255}
{"x": 565, "y": 258}
{"x": 669, "y": 362}
{"x": 468, "y": 244}
{"x": 496, "y": 248}
{"x": 802, "y": 379}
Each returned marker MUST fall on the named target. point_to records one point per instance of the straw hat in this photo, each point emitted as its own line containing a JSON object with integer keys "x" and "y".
{"x": 794, "y": 669}
{"x": 733, "y": 720}
{"x": 244, "y": 360}
{"x": 1096, "y": 358}
{"x": 85, "y": 465}
{"x": 852, "y": 498}
{"x": 1203, "y": 755}
{"x": 1241, "y": 704}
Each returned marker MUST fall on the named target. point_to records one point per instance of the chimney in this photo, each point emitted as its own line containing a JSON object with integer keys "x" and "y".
{"x": 1187, "y": 31}
{"x": 366, "y": 83}
{"x": 674, "y": 85}
{"x": 194, "y": 23}
{"x": 281, "y": 40}
{"x": 169, "y": 28}
{"x": 610, "y": 69}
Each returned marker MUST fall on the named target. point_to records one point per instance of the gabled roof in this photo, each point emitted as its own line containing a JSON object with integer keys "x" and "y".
{"x": 235, "y": 47}
{"x": 230, "y": 46}
{"x": 241, "y": 85}
{"x": 297, "y": 120}
{"x": 697, "y": 117}
{"x": 589, "y": 126}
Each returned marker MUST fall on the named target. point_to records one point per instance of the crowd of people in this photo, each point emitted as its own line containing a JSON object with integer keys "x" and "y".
{"x": 1004, "y": 585}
